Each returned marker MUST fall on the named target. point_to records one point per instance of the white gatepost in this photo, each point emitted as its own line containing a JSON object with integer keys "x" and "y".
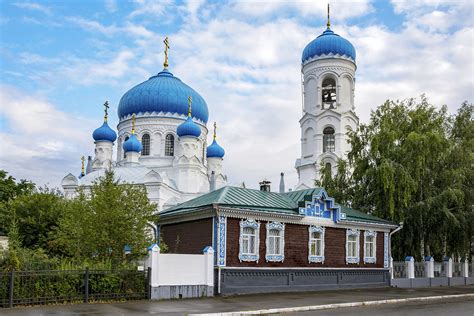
{"x": 153, "y": 257}
{"x": 209, "y": 265}
{"x": 391, "y": 268}
{"x": 448, "y": 266}
{"x": 465, "y": 268}
{"x": 410, "y": 267}
{"x": 429, "y": 267}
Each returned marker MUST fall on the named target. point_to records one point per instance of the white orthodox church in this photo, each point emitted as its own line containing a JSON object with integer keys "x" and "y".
{"x": 162, "y": 132}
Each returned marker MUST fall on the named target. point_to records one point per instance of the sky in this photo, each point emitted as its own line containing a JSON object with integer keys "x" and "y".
{"x": 60, "y": 60}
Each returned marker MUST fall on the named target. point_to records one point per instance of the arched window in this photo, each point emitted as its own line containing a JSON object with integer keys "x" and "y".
{"x": 329, "y": 142}
{"x": 124, "y": 153}
{"x": 146, "y": 145}
{"x": 329, "y": 94}
{"x": 169, "y": 145}
{"x": 329, "y": 168}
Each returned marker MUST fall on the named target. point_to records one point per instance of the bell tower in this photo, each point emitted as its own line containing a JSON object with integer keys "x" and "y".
{"x": 328, "y": 79}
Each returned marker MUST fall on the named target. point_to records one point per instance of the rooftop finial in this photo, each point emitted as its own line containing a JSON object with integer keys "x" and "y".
{"x": 82, "y": 165}
{"x": 167, "y": 46}
{"x": 133, "y": 123}
{"x": 215, "y": 129}
{"x": 190, "y": 105}
{"x": 329, "y": 22}
{"x": 106, "y": 113}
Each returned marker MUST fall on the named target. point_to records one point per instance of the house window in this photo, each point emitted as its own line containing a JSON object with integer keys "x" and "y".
{"x": 124, "y": 153}
{"x": 370, "y": 246}
{"x": 146, "y": 145}
{"x": 352, "y": 246}
{"x": 249, "y": 240}
{"x": 275, "y": 242}
{"x": 329, "y": 93}
{"x": 169, "y": 145}
{"x": 316, "y": 244}
{"x": 329, "y": 141}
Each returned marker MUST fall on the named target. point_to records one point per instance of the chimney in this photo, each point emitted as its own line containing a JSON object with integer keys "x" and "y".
{"x": 265, "y": 186}
{"x": 213, "y": 181}
{"x": 282, "y": 182}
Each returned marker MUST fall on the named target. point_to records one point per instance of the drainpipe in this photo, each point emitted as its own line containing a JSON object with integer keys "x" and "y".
{"x": 391, "y": 233}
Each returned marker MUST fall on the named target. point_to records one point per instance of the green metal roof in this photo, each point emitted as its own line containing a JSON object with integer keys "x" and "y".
{"x": 285, "y": 203}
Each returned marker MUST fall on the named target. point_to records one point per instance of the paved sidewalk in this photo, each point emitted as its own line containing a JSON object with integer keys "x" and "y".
{"x": 236, "y": 303}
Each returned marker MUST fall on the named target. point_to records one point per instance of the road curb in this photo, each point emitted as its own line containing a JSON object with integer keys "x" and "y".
{"x": 338, "y": 305}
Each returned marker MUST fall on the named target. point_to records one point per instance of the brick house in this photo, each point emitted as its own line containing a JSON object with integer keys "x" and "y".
{"x": 267, "y": 241}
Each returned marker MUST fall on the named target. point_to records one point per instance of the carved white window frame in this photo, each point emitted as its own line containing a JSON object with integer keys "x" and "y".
{"x": 271, "y": 256}
{"x": 349, "y": 233}
{"x": 247, "y": 256}
{"x": 373, "y": 234}
{"x": 312, "y": 257}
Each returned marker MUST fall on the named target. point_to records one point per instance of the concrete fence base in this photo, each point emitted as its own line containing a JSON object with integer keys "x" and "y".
{"x": 431, "y": 282}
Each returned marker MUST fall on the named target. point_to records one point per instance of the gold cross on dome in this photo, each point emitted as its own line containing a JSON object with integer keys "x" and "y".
{"x": 167, "y": 46}
{"x": 190, "y": 105}
{"x": 83, "y": 159}
{"x": 215, "y": 130}
{"x": 133, "y": 123}
{"x": 329, "y": 22}
{"x": 106, "y": 112}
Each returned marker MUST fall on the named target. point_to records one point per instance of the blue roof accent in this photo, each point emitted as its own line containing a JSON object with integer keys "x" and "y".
{"x": 188, "y": 128}
{"x": 132, "y": 144}
{"x": 104, "y": 133}
{"x": 215, "y": 151}
{"x": 329, "y": 43}
{"x": 162, "y": 93}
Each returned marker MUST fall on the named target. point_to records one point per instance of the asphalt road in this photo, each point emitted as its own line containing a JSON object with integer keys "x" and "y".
{"x": 265, "y": 301}
{"x": 457, "y": 307}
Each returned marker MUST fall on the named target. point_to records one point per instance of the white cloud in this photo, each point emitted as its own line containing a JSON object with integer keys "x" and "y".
{"x": 33, "y": 6}
{"x": 151, "y": 7}
{"x": 111, "y": 5}
{"x": 42, "y": 143}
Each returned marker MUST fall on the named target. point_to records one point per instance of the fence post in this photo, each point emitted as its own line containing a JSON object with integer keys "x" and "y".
{"x": 86, "y": 285}
{"x": 391, "y": 268}
{"x": 209, "y": 265}
{"x": 410, "y": 267}
{"x": 465, "y": 268}
{"x": 448, "y": 266}
{"x": 10, "y": 288}
{"x": 429, "y": 267}
{"x": 148, "y": 283}
{"x": 153, "y": 263}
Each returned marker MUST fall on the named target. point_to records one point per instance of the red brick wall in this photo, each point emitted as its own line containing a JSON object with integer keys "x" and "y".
{"x": 296, "y": 247}
{"x": 193, "y": 236}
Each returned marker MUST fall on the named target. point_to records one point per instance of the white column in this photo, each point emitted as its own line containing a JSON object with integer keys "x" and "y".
{"x": 448, "y": 266}
{"x": 410, "y": 267}
{"x": 429, "y": 267}
{"x": 391, "y": 267}
{"x": 152, "y": 261}
{"x": 209, "y": 265}
{"x": 465, "y": 268}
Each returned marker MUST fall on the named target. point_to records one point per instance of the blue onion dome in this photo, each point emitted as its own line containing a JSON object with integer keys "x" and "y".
{"x": 104, "y": 133}
{"x": 132, "y": 144}
{"x": 164, "y": 95}
{"x": 215, "y": 151}
{"x": 329, "y": 44}
{"x": 188, "y": 128}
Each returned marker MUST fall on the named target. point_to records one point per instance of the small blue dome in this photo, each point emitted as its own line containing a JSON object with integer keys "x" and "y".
{"x": 329, "y": 43}
{"x": 188, "y": 128}
{"x": 132, "y": 144}
{"x": 215, "y": 151}
{"x": 104, "y": 133}
{"x": 163, "y": 93}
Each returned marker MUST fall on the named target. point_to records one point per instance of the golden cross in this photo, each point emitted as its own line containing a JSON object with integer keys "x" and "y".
{"x": 329, "y": 22}
{"x": 106, "y": 108}
{"x": 133, "y": 124}
{"x": 167, "y": 46}
{"x": 190, "y": 105}
{"x": 215, "y": 129}
{"x": 82, "y": 164}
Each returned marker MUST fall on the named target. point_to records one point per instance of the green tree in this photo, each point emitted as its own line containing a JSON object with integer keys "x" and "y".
{"x": 339, "y": 186}
{"x": 404, "y": 169}
{"x": 99, "y": 223}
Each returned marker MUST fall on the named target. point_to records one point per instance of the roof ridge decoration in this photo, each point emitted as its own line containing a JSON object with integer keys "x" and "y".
{"x": 323, "y": 206}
